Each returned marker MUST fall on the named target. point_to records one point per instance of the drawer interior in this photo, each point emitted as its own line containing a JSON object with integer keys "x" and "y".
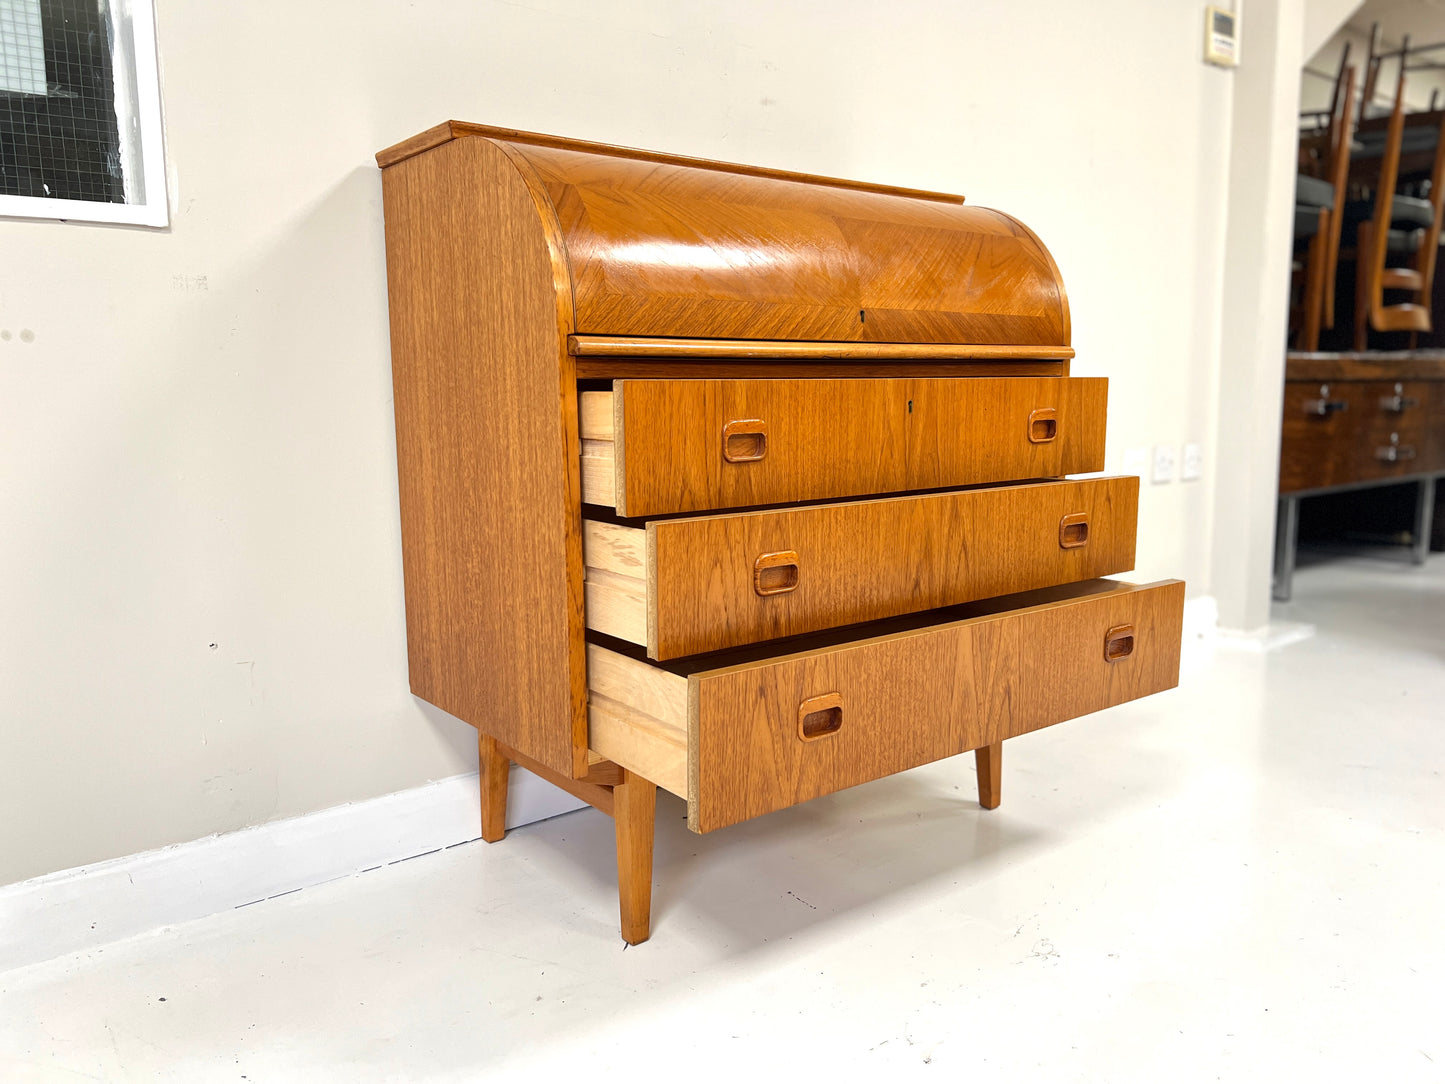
{"x": 729, "y": 731}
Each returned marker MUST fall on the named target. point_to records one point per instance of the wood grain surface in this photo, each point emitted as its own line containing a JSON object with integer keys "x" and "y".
{"x": 1415, "y": 365}
{"x": 654, "y": 368}
{"x": 988, "y": 765}
{"x": 1435, "y": 428}
{"x": 459, "y": 129}
{"x": 1318, "y": 452}
{"x": 492, "y": 771}
{"x": 832, "y": 438}
{"x": 634, "y": 810}
{"x": 865, "y": 560}
{"x": 660, "y": 246}
{"x": 658, "y": 249}
{"x": 487, "y": 451}
{"x": 918, "y": 697}
{"x": 615, "y": 346}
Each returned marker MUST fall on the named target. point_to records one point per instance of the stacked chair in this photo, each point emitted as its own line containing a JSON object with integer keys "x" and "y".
{"x": 1370, "y": 190}
{"x": 1319, "y": 191}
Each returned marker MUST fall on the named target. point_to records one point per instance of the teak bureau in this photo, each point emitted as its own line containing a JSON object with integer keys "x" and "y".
{"x": 745, "y": 484}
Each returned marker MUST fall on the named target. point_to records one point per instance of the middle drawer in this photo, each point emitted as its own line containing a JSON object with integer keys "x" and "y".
{"x": 686, "y": 586}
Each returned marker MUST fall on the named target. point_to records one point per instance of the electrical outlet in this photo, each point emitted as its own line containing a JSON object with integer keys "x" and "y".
{"x": 1163, "y": 464}
{"x": 1192, "y": 467}
{"x": 1136, "y": 461}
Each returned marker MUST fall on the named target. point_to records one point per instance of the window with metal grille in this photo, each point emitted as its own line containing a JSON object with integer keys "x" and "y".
{"x": 80, "y": 127}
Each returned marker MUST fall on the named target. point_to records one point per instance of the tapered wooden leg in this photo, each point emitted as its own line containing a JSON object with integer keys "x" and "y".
{"x": 494, "y": 768}
{"x": 634, "y": 809}
{"x": 989, "y": 760}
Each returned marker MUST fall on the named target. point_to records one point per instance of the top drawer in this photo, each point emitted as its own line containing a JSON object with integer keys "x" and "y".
{"x": 654, "y": 447}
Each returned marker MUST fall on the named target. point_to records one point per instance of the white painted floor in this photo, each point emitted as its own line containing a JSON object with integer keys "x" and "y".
{"x": 1243, "y": 879}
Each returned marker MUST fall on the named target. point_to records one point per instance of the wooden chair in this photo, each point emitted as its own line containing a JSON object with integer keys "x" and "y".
{"x": 1319, "y": 206}
{"x": 1377, "y": 242}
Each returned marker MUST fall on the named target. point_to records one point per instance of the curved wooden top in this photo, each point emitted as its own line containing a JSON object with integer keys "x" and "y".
{"x": 658, "y": 246}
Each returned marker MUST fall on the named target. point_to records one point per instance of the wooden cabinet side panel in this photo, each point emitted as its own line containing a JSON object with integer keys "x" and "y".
{"x": 1435, "y": 426}
{"x": 917, "y": 697}
{"x": 839, "y": 438}
{"x": 867, "y": 560}
{"x": 487, "y": 452}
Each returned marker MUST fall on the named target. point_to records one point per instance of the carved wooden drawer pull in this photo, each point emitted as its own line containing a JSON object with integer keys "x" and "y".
{"x": 819, "y": 716}
{"x": 745, "y": 441}
{"x": 1043, "y": 425}
{"x": 1074, "y": 530}
{"x": 776, "y": 573}
{"x": 1118, "y": 643}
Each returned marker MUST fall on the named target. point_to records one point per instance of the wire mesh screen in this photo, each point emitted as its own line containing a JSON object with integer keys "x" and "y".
{"x": 59, "y": 137}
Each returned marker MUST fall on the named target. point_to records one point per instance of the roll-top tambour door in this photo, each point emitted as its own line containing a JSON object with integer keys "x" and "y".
{"x": 656, "y": 447}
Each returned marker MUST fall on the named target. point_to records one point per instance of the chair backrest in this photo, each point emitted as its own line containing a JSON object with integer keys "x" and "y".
{"x": 1389, "y": 173}
{"x": 1341, "y": 138}
{"x": 1372, "y": 69}
{"x": 1430, "y": 243}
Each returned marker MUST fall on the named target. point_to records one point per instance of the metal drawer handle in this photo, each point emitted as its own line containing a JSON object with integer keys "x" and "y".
{"x": 1118, "y": 643}
{"x": 1395, "y": 453}
{"x": 745, "y": 441}
{"x": 1323, "y": 408}
{"x": 1043, "y": 425}
{"x": 776, "y": 573}
{"x": 819, "y": 716}
{"x": 1074, "y": 530}
{"x": 1398, "y": 404}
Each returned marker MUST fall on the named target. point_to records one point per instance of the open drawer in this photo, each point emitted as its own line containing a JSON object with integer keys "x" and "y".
{"x": 745, "y": 733}
{"x": 686, "y": 586}
{"x": 655, "y": 447}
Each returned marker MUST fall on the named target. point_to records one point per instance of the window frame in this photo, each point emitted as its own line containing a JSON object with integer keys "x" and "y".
{"x": 155, "y": 209}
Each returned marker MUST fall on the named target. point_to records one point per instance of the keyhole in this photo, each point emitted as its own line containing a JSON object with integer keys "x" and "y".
{"x": 862, "y": 317}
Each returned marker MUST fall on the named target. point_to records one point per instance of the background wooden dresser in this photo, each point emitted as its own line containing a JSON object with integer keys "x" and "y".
{"x": 1354, "y": 421}
{"x": 742, "y": 483}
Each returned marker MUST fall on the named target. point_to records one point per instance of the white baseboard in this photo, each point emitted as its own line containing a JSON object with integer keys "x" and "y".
{"x": 79, "y": 909}
{"x": 1271, "y": 637}
{"x": 1201, "y": 622}
{"x": 1201, "y": 618}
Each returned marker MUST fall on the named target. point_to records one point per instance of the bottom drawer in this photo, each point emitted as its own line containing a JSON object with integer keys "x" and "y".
{"x": 744, "y": 732}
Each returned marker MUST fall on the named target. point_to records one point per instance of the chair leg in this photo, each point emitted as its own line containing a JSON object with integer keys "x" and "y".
{"x": 634, "y": 811}
{"x": 989, "y": 761}
{"x": 1363, "y": 249}
{"x": 494, "y": 767}
{"x": 1314, "y": 287}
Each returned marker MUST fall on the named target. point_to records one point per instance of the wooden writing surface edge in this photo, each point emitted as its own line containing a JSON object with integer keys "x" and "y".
{"x": 625, "y": 346}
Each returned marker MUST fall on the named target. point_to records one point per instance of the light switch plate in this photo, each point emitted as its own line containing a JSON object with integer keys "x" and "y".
{"x": 1191, "y": 469}
{"x": 1163, "y": 464}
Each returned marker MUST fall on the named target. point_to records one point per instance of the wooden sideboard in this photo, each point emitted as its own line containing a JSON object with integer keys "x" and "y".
{"x": 1354, "y": 421}
{"x": 746, "y": 484}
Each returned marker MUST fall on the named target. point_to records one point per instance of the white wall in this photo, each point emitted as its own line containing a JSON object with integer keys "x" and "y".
{"x": 200, "y": 603}
{"x": 1315, "y": 91}
{"x": 1322, "y": 20}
